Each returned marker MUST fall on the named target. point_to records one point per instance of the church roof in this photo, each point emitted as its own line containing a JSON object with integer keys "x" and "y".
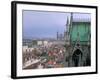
{"x": 81, "y": 17}
{"x": 81, "y": 20}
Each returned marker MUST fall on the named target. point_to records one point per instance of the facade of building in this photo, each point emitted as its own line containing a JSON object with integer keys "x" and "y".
{"x": 80, "y": 38}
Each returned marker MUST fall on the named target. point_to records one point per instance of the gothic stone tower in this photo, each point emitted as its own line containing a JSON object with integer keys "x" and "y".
{"x": 79, "y": 50}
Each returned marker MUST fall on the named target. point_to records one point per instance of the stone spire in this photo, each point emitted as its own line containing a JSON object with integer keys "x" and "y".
{"x": 71, "y": 20}
{"x": 57, "y": 35}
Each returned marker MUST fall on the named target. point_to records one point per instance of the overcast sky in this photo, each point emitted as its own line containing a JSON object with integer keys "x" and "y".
{"x": 38, "y": 24}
